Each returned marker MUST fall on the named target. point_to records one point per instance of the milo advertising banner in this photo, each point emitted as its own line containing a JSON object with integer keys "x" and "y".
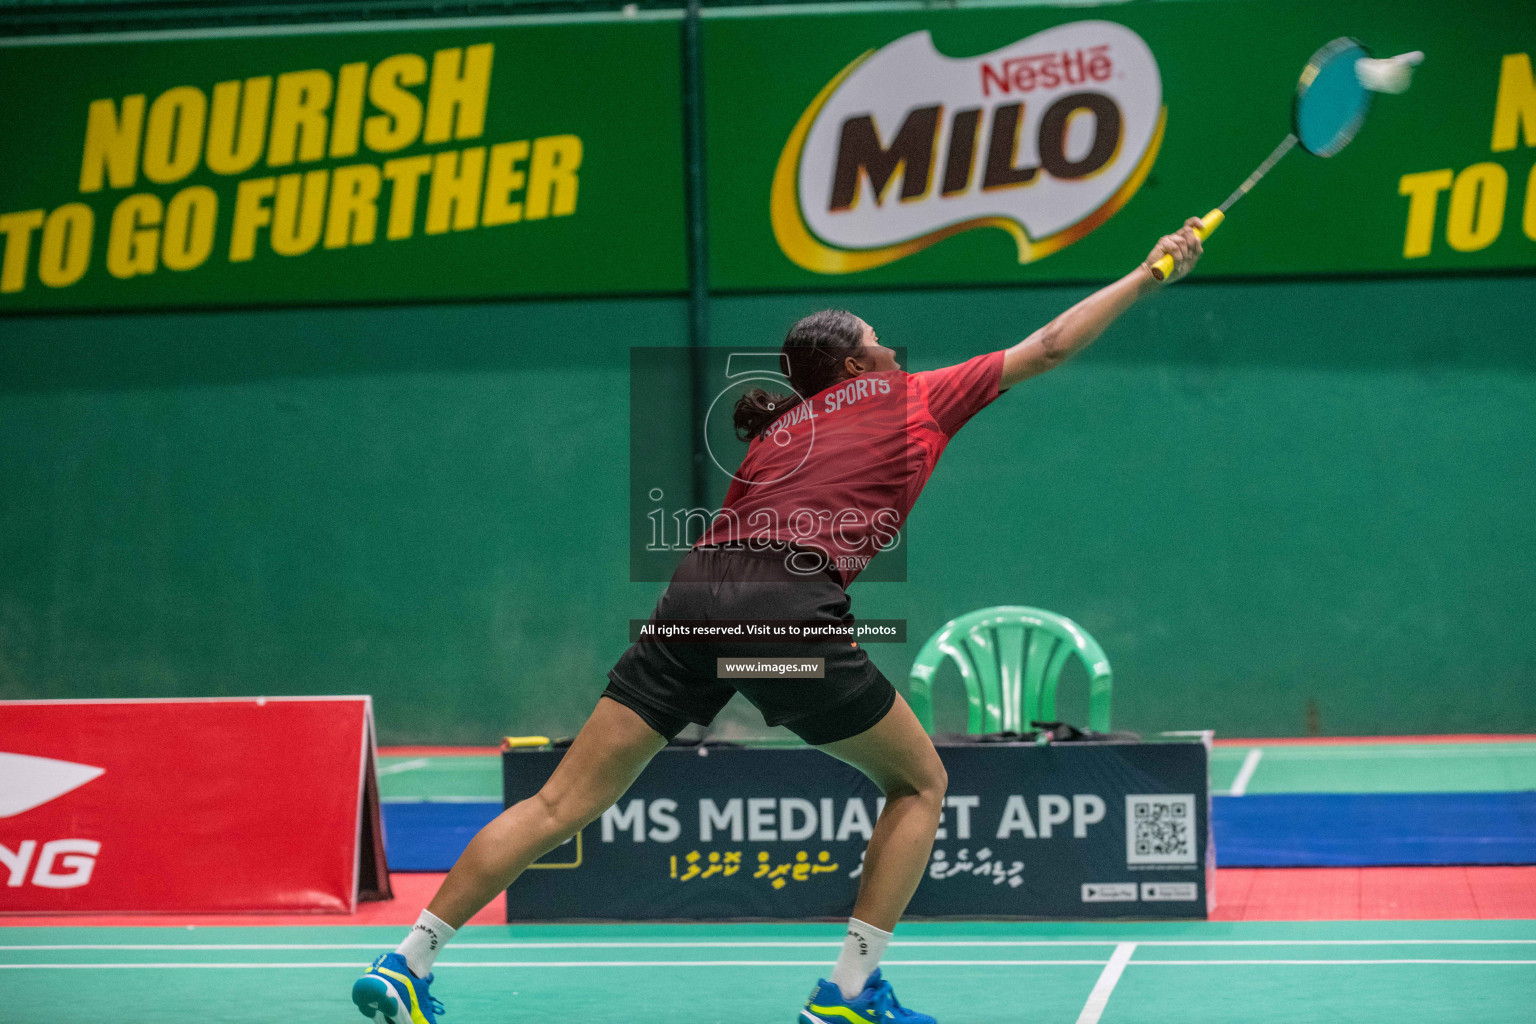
{"x": 1033, "y": 143}
{"x": 315, "y": 164}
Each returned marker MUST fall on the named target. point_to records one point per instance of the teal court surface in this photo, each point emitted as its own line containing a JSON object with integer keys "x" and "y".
{"x": 1260, "y": 767}
{"x": 1404, "y": 945}
{"x": 1404, "y": 972}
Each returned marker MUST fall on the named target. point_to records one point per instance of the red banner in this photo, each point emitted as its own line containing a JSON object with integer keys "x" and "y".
{"x": 189, "y": 806}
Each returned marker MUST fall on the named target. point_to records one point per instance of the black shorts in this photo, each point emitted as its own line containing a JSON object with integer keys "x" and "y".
{"x": 670, "y": 684}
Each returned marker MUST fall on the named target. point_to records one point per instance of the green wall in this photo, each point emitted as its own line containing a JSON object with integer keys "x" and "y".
{"x": 1257, "y": 497}
{"x": 425, "y": 504}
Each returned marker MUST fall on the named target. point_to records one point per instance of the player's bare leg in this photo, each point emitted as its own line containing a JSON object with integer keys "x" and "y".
{"x": 897, "y": 756}
{"x": 605, "y": 758}
{"x": 610, "y": 751}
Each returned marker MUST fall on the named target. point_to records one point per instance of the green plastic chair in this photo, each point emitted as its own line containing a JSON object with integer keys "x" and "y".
{"x": 1010, "y": 658}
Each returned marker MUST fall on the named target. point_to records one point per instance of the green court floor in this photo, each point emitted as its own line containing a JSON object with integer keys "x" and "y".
{"x": 1413, "y": 972}
{"x": 1379, "y": 768}
{"x": 440, "y": 778}
{"x": 1276, "y": 768}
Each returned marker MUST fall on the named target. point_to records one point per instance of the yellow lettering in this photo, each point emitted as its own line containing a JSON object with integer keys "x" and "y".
{"x": 17, "y": 229}
{"x": 463, "y": 89}
{"x": 111, "y": 144}
{"x": 299, "y": 212}
{"x": 502, "y": 178}
{"x": 347, "y": 117}
{"x": 405, "y": 174}
{"x": 1515, "y": 107}
{"x": 298, "y": 117}
{"x": 251, "y": 215}
{"x": 1476, "y": 212}
{"x": 1529, "y": 221}
{"x": 173, "y": 138}
{"x": 354, "y": 215}
{"x": 190, "y": 218}
{"x": 1423, "y": 192}
{"x": 552, "y": 177}
{"x": 133, "y": 243}
{"x": 455, "y": 192}
{"x": 66, "y": 248}
{"x": 238, "y": 125}
{"x": 400, "y": 122}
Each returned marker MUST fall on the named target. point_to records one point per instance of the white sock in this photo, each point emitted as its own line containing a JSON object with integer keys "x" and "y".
{"x": 425, "y": 940}
{"x": 862, "y": 948}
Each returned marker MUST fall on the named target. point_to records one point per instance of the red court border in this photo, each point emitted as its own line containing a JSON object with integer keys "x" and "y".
{"x": 1480, "y": 893}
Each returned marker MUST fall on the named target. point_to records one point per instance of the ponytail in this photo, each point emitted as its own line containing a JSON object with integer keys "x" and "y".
{"x": 757, "y": 408}
{"x": 815, "y": 350}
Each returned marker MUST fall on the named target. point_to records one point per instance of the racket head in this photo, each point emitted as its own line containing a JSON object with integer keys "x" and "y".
{"x": 1330, "y": 104}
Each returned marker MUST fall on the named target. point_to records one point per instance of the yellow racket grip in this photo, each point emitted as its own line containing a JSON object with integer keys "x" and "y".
{"x": 1209, "y": 223}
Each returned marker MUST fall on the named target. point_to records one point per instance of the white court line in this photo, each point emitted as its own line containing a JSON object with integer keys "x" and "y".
{"x": 1392, "y": 751}
{"x": 1336, "y": 942}
{"x": 1320, "y": 963}
{"x": 354, "y": 965}
{"x": 405, "y": 766}
{"x": 1245, "y": 773}
{"x": 1108, "y": 979}
{"x": 908, "y": 943}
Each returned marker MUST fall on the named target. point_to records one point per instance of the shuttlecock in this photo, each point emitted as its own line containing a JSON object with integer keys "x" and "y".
{"x": 1389, "y": 74}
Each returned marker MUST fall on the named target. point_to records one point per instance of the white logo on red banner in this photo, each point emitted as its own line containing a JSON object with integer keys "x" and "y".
{"x": 192, "y": 806}
{"x": 27, "y": 782}
{"x": 63, "y": 864}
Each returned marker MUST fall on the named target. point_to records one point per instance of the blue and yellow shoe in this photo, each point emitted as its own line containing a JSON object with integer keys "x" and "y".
{"x": 875, "y": 1005}
{"x": 390, "y": 994}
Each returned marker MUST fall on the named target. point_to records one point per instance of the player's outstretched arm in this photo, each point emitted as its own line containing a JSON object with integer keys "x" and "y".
{"x": 1053, "y": 344}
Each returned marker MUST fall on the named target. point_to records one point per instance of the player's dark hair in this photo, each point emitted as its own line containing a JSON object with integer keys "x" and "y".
{"x": 815, "y": 349}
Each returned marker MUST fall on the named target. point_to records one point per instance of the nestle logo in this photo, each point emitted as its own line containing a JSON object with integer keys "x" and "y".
{"x": 903, "y": 150}
{"x": 1047, "y": 70}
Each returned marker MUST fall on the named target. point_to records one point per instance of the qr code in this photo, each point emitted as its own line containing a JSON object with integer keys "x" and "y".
{"x": 1160, "y": 828}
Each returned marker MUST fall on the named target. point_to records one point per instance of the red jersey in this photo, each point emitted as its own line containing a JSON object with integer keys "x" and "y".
{"x": 840, "y": 471}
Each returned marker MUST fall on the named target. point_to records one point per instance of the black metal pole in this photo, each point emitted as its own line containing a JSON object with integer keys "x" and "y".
{"x": 698, "y": 245}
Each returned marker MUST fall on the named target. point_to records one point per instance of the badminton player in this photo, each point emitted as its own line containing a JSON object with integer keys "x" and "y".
{"x": 877, "y": 434}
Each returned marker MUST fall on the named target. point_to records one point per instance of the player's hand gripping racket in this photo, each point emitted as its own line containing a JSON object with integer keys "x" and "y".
{"x": 1331, "y": 102}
